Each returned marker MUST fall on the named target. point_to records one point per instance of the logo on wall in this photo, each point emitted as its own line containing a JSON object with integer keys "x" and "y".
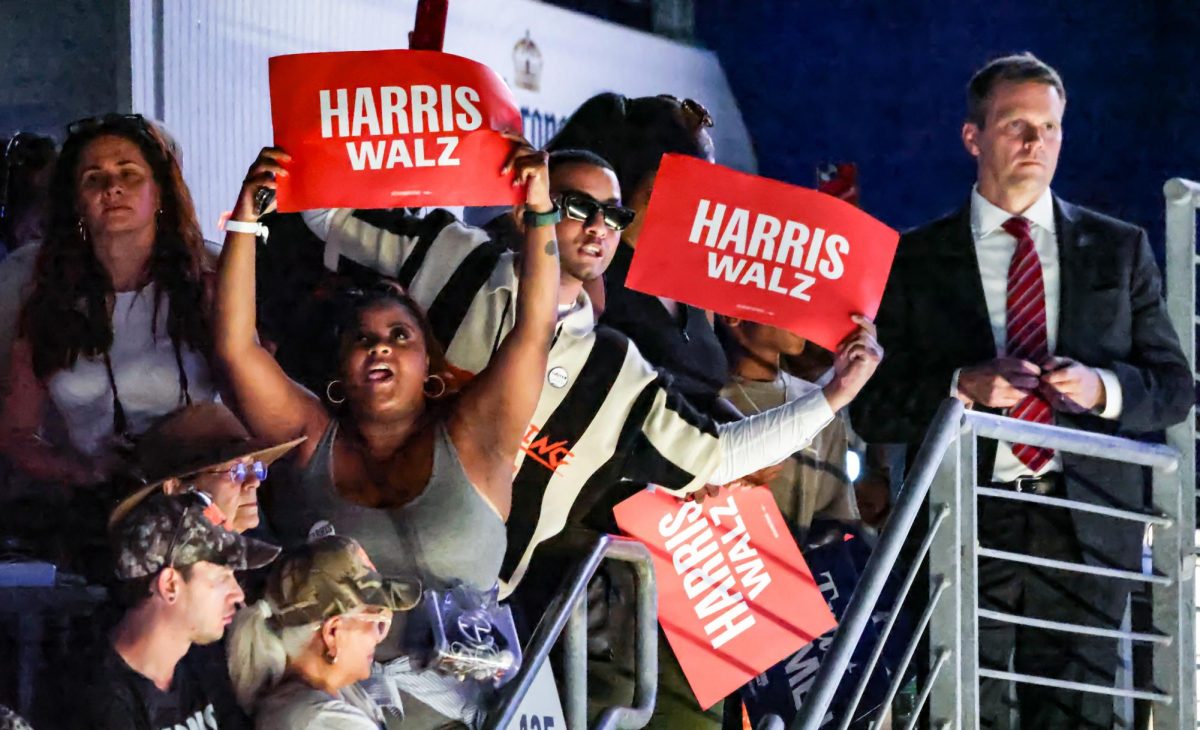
{"x": 527, "y": 64}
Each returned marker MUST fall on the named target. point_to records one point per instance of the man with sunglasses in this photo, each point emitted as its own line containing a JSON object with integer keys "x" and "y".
{"x": 176, "y": 565}
{"x": 606, "y": 416}
{"x": 205, "y": 448}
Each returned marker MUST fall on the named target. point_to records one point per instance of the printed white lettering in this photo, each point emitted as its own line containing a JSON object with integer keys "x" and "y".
{"x": 670, "y": 524}
{"x": 800, "y": 291}
{"x": 766, "y": 229}
{"x": 329, "y": 111}
{"x": 449, "y": 144}
{"x": 735, "y": 231}
{"x": 395, "y": 121}
{"x": 730, "y": 628}
{"x": 424, "y": 109}
{"x": 703, "y": 222}
{"x": 389, "y": 111}
{"x": 365, "y": 114}
{"x": 832, "y": 267}
{"x": 368, "y": 153}
{"x": 780, "y": 246}
{"x": 724, "y": 267}
{"x": 469, "y": 118}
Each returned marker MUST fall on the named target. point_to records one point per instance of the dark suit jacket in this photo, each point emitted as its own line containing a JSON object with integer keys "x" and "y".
{"x": 934, "y": 319}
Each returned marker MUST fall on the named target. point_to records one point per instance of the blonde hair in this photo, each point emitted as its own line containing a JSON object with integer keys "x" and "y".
{"x": 258, "y": 654}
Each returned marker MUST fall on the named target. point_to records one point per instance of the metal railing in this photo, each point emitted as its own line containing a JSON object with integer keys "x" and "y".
{"x": 568, "y": 610}
{"x": 1182, "y": 199}
{"x": 944, "y": 473}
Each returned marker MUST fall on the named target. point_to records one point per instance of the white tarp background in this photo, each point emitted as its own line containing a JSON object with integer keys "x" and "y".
{"x": 200, "y": 66}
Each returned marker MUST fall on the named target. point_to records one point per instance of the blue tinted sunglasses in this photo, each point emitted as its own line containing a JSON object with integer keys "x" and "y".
{"x": 241, "y": 471}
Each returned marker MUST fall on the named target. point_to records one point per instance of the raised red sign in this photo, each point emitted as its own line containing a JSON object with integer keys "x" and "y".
{"x": 385, "y": 129}
{"x": 761, "y": 250}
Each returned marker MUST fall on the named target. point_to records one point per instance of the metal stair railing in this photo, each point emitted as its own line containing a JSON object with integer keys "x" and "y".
{"x": 568, "y": 611}
{"x": 1182, "y": 198}
{"x": 944, "y": 473}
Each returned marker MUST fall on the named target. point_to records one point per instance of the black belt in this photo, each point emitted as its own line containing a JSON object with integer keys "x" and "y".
{"x": 1045, "y": 484}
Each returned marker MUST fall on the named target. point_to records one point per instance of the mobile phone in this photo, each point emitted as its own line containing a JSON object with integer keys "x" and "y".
{"x": 262, "y": 199}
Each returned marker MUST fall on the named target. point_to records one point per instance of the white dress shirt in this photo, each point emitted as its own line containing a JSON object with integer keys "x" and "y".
{"x": 994, "y": 248}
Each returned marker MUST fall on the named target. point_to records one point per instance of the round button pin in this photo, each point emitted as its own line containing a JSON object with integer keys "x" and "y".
{"x": 557, "y": 377}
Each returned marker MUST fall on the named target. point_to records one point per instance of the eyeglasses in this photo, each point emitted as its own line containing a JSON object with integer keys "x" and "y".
{"x": 697, "y": 110}
{"x": 378, "y": 616}
{"x": 583, "y": 207}
{"x": 241, "y": 471}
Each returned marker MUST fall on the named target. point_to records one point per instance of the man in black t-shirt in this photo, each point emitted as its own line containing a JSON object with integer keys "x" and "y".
{"x": 177, "y": 568}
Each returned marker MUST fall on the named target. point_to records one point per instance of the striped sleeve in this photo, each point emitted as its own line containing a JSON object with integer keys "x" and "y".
{"x": 394, "y": 243}
{"x": 675, "y": 446}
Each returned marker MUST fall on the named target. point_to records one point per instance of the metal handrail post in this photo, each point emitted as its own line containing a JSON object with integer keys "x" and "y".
{"x": 945, "y": 565}
{"x": 564, "y": 608}
{"x": 645, "y": 694}
{"x": 879, "y": 567}
{"x": 575, "y": 666}
{"x": 1182, "y": 198}
{"x": 1174, "y": 605}
{"x": 968, "y": 556}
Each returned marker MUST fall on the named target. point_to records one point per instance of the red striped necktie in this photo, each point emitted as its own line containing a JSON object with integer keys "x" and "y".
{"x": 1026, "y": 333}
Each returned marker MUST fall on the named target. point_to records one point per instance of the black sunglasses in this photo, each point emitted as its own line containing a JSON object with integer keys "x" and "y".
{"x": 135, "y": 122}
{"x": 583, "y": 207}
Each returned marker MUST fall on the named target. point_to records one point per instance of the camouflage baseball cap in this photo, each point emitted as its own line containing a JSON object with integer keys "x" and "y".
{"x": 178, "y": 531}
{"x": 332, "y": 576}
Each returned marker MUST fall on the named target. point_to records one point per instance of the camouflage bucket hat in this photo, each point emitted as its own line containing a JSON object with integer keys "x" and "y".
{"x": 332, "y": 576}
{"x": 164, "y": 531}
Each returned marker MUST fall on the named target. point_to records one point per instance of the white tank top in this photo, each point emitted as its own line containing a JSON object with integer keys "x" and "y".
{"x": 145, "y": 370}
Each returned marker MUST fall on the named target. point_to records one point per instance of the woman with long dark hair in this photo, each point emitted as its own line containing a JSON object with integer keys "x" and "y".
{"x": 115, "y": 331}
{"x": 420, "y": 476}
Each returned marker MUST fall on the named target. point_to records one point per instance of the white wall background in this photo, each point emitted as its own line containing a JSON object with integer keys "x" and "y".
{"x": 214, "y": 55}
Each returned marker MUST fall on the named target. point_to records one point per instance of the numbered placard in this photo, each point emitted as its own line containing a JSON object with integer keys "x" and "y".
{"x": 541, "y": 709}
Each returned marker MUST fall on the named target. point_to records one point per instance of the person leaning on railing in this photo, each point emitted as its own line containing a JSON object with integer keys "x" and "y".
{"x": 1025, "y": 304}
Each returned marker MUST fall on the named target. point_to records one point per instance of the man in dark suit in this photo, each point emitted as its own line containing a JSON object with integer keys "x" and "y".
{"x": 1023, "y": 304}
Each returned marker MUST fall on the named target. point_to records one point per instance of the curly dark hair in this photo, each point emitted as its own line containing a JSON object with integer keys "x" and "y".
{"x": 634, "y": 134}
{"x": 67, "y": 313}
{"x": 354, "y": 301}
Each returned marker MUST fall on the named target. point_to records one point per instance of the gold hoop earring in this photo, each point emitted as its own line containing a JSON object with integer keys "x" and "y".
{"x": 441, "y": 386}
{"x": 329, "y": 393}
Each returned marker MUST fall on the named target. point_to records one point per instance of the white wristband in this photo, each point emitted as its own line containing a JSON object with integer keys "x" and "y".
{"x": 256, "y": 228}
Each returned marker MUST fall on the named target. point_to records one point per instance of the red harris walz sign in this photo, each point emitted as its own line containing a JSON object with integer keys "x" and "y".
{"x": 381, "y": 129}
{"x": 762, "y": 250}
{"x": 735, "y": 596}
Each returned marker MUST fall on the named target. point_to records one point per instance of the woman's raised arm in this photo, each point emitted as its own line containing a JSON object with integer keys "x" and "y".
{"x": 271, "y": 404}
{"x": 494, "y": 410}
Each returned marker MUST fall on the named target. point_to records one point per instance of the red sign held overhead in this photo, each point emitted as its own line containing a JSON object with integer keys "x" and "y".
{"x": 383, "y": 129}
{"x": 735, "y": 596}
{"x": 761, "y": 250}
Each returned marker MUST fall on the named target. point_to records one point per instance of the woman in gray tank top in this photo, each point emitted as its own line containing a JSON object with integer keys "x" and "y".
{"x": 420, "y": 477}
